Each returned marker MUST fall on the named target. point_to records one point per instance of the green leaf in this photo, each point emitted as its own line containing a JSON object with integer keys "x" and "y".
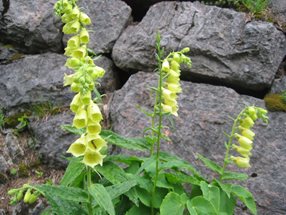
{"x": 210, "y": 164}
{"x": 179, "y": 178}
{"x": 245, "y": 196}
{"x": 71, "y": 129}
{"x": 147, "y": 163}
{"x": 228, "y": 175}
{"x": 63, "y": 192}
{"x": 227, "y": 204}
{"x": 141, "y": 210}
{"x": 200, "y": 206}
{"x": 225, "y": 187}
{"x": 172, "y": 204}
{"x": 139, "y": 144}
{"x": 102, "y": 197}
{"x": 119, "y": 189}
{"x": 73, "y": 173}
{"x": 124, "y": 159}
{"x": 146, "y": 197}
{"x": 211, "y": 193}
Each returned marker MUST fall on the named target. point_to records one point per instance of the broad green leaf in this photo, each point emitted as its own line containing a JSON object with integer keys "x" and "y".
{"x": 147, "y": 162}
{"x": 211, "y": 193}
{"x": 124, "y": 159}
{"x": 139, "y": 144}
{"x": 141, "y": 210}
{"x": 112, "y": 173}
{"x": 228, "y": 175}
{"x": 63, "y": 192}
{"x": 172, "y": 204}
{"x": 102, "y": 197}
{"x": 227, "y": 204}
{"x": 210, "y": 164}
{"x": 201, "y": 205}
{"x": 146, "y": 197}
{"x": 245, "y": 196}
{"x": 119, "y": 189}
{"x": 73, "y": 173}
{"x": 225, "y": 187}
{"x": 173, "y": 161}
{"x": 179, "y": 178}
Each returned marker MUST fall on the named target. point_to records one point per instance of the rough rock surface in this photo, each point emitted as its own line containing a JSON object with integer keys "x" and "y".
{"x": 39, "y": 79}
{"x": 279, "y": 85}
{"x": 225, "y": 48}
{"x": 51, "y": 140}
{"x": 278, "y": 7}
{"x": 31, "y": 25}
{"x": 34, "y": 79}
{"x": 8, "y": 54}
{"x": 109, "y": 18}
{"x": 203, "y": 117}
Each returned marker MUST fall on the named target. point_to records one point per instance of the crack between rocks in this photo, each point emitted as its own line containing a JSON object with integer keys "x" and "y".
{"x": 6, "y": 5}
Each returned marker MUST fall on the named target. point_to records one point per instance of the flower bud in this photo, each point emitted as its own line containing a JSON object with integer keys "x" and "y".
{"x": 244, "y": 152}
{"x": 76, "y": 103}
{"x": 176, "y": 59}
{"x": 241, "y": 162}
{"x": 165, "y": 66}
{"x": 20, "y": 195}
{"x": 27, "y": 196}
{"x": 75, "y": 87}
{"x": 33, "y": 198}
{"x": 13, "y": 192}
{"x": 252, "y": 113}
{"x": 84, "y": 19}
{"x": 185, "y": 50}
{"x": 247, "y": 122}
{"x": 80, "y": 119}
{"x": 247, "y": 133}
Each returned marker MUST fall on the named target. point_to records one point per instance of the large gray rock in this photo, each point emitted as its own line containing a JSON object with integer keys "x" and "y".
{"x": 225, "y": 48}
{"x": 109, "y": 18}
{"x": 31, "y": 25}
{"x": 51, "y": 140}
{"x": 39, "y": 79}
{"x": 34, "y": 79}
{"x": 278, "y": 7}
{"x": 279, "y": 85}
{"x": 203, "y": 118}
{"x": 9, "y": 54}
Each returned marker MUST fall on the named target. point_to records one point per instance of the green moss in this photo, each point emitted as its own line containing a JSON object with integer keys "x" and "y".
{"x": 275, "y": 102}
{"x": 23, "y": 170}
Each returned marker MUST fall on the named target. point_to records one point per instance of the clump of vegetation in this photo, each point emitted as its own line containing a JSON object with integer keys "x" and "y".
{"x": 275, "y": 101}
{"x": 96, "y": 182}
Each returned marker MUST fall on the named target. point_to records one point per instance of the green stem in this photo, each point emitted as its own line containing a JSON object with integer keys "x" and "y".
{"x": 89, "y": 183}
{"x": 229, "y": 143}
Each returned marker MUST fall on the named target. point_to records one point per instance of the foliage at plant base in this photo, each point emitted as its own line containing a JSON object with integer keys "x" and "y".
{"x": 98, "y": 183}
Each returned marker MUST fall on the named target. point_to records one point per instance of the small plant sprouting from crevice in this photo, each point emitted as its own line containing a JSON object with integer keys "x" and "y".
{"x": 275, "y": 101}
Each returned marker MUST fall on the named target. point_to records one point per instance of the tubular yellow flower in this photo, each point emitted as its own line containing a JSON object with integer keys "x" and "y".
{"x": 75, "y": 87}
{"x": 84, "y": 19}
{"x": 77, "y": 149}
{"x": 71, "y": 27}
{"x": 92, "y": 158}
{"x": 247, "y": 133}
{"x": 96, "y": 144}
{"x": 84, "y": 36}
{"x": 165, "y": 66}
{"x": 76, "y": 103}
{"x": 93, "y": 127}
{"x": 244, "y": 142}
{"x": 241, "y": 162}
{"x": 73, "y": 63}
{"x": 80, "y": 52}
{"x": 80, "y": 119}
{"x": 93, "y": 112}
{"x": 86, "y": 98}
{"x": 247, "y": 122}
{"x": 74, "y": 42}
{"x": 244, "y": 152}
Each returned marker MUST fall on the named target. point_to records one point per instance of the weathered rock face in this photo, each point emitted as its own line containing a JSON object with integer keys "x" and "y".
{"x": 279, "y": 85}
{"x": 224, "y": 47}
{"x": 203, "y": 117}
{"x": 278, "y": 7}
{"x": 39, "y": 79}
{"x": 31, "y": 26}
{"x": 34, "y": 79}
{"x": 51, "y": 140}
{"x": 109, "y": 18}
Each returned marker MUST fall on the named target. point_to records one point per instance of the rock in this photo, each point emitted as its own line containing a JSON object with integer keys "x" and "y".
{"x": 51, "y": 140}
{"x": 203, "y": 118}
{"x": 225, "y": 48}
{"x": 110, "y": 81}
{"x": 279, "y": 85}
{"x": 109, "y": 18}
{"x": 278, "y": 8}
{"x": 13, "y": 145}
{"x": 34, "y": 79}
{"x": 31, "y": 26}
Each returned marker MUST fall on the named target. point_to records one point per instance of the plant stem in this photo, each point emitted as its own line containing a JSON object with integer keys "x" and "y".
{"x": 157, "y": 112}
{"x": 89, "y": 183}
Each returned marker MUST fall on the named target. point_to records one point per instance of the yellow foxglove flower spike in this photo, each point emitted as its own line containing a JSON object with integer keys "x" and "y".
{"x": 80, "y": 119}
